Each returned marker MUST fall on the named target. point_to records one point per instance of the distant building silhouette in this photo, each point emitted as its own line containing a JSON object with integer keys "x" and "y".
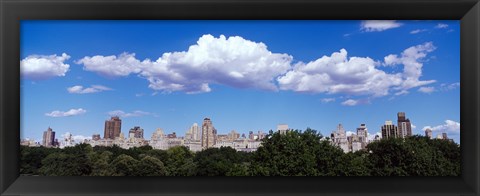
{"x": 113, "y": 128}
{"x": 136, "y": 132}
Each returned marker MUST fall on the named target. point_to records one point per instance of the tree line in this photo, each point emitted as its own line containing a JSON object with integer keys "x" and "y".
{"x": 296, "y": 153}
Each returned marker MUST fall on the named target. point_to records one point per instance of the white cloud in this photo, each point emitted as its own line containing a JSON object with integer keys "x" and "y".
{"x": 232, "y": 61}
{"x": 93, "y": 89}
{"x": 413, "y": 126}
{"x": 111, "y": 66}
{"x": 449, "y": 126}
{"x": 452, "y": 86}
{"x": 427, "y": 90}
{"x": 412, "y": 66}
{"x": 378, "y": 25}
{"x": 418, "y": 31}
{"x": 71, "y": 112}
{"x": 38, "y": 67}
{"x": 371, "y": 137}
{"x": 327, "y": 100}
{"x": 339, "y": 74}
{"x": 135, "y": 113}
{"x": 441, "y": 26}
{"x": 350, "y": 102}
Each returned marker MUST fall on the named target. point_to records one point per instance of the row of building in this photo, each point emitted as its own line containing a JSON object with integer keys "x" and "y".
{"x": 358, "y": 141}
{"x": 205, "y": 136}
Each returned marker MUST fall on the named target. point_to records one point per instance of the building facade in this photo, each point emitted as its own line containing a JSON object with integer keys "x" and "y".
{"x": 113, "y": 127}
{"x": 48, "y": 138}
{"x": 208, "y": 134}
{"x": 404, "y": 125}
{"x": 389, "y": 130}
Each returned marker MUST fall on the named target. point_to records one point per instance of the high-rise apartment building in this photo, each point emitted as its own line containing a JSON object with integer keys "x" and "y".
{"x": 208, "y": 134}
{"x": 196, "y": 134}
{"x": 233, "y": 135}
{"x": 428, "y": 133}
{"x": 389, "y": 130}
{"x": 48, "y": 138}
{"x": 339, "y": 138}
{"x": 135, "y": 132}
{"x": 362, "y": 133}
{"x": 404, "y": 125}
{"x": 113, "y": 128}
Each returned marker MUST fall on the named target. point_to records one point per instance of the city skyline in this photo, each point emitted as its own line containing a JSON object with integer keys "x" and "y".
{"x": 77, "y": 74}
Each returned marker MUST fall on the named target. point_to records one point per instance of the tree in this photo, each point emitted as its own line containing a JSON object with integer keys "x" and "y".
{"x": 291, "y": 154}
{"x": 101, "y": 163}
{"x": 180, "y": 162}
{"x": 125, "y": 165}
{"x": 62, "y": 164}
{"x": 220, "y": 161}
{"x": 150, "y": 166}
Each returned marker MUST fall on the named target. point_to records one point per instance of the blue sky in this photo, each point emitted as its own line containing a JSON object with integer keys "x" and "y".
{"x": 244, "y": 75}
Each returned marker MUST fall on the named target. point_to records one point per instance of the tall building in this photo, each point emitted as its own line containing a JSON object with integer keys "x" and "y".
{"x": 135, "y": 132}
{"x": 208, "y": 134}
{"x": 389, "y": 130}
{"x": 339, "y": 138}
{"x": 113, "y": 128}
{"x": 282, "y": 128}
{"x": 48, "y": 138}
{"x": 404, "y": 125}
{"x": 428, "y": 133}
{"x": 195, "y": 134}
{"x": 362, "y": 133}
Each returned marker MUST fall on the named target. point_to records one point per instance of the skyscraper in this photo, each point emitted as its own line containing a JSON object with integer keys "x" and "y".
{"x": 113, "y": 128}
{"x": 428, "y": 133}
{"x": 404, "y": 125}
{"x": 48, "y": 138}
{"x": 208, "y": 134}
{"x": 389, "y": 130}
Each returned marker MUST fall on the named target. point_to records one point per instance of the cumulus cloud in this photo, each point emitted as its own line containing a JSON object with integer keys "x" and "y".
{"x": 93, "y": 89}
{"x": 427, "y": 90}
{"x": 417, "y": 31}
{"x": 378, "y": 25}
{"x": 39, "y": 67}
{"x": 71, "y": 112}
{"x": 232, "y": 61}
{"x": 441, "y": 26}
{"x": 449, "y": 126}
{"x": 411, "y": 58}
{"x": 339, "y": 73}
{"x": 135, "y": 113}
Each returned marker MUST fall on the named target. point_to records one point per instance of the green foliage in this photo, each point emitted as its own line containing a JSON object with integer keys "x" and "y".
{"x": 295, "y": 153}
{"x": 220, "y": 162}
{"x": 290, "y": 154}
{"x": 150, "y": 166}
{"x": 180, "y": 162}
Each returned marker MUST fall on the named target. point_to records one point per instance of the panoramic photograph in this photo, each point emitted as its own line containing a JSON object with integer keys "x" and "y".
{"x": 240, "y": 98}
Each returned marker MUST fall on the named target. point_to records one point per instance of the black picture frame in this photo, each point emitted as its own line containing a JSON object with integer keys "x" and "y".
{"x": 12, "y": 11}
